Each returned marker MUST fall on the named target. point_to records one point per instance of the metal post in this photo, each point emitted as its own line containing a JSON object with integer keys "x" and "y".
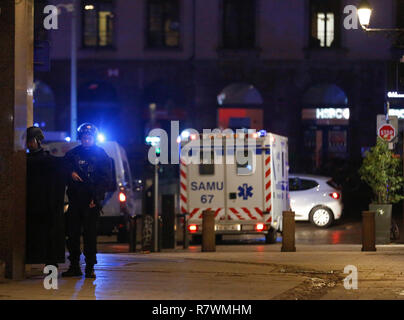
{"x": 288, "y": 232}
{"x": 168, "y": 215}
{"x": 133, "y": 234}
{"x": 156, "y": 211}
{"x": 368, "y": 231}
{"x": 73, "y": 74}
{"x": 208, "y": 231}
{"x": 185, "y": 235}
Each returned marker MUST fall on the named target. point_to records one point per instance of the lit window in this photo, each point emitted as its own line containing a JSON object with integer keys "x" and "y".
{"x": 325, "y": 19}
{"x": 325, "y": 29}
{"x": 98, "y": 23}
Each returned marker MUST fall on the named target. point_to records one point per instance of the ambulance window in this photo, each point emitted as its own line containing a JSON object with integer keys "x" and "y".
{"x": 207, "y": 166}
{"x": 244, "y": 166}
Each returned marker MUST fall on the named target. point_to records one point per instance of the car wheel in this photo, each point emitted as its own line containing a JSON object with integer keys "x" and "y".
{"x": 321, "y": 217}
{"x": 271, "y": 236}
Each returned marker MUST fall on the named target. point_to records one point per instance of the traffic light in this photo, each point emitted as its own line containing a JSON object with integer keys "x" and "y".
{"x": 154, "y": 142}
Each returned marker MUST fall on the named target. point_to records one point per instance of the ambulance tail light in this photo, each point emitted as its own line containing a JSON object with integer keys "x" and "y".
{"x": 260, "y": 227}
{"x": 255, "y": 135}
{"x": 192, "y": 228}
{"x": 335, "y": 195}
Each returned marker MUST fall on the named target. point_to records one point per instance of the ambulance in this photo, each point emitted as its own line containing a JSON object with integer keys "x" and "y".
{"x": 122, "y": 201}
{"x": 245, "y": 184}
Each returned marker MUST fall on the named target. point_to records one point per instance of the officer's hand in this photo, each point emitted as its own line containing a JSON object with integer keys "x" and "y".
{"x": 92, "y": 204}
{"x": 76, "y": 177}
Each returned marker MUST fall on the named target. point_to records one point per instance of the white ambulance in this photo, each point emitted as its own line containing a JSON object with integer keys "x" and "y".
{"x": 247, "y": 197}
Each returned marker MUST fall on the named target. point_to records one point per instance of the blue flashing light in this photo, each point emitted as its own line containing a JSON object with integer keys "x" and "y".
{"x": 262, "y": 133}
{"x": 101, "y": 138}
{"x": 68, "y": 139}
{"x": 36, "y": 124}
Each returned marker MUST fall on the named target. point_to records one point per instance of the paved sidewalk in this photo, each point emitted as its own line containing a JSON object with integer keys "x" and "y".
{"x": 258, "y": 272}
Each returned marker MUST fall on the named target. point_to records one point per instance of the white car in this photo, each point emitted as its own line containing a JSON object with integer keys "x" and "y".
{"x": 315, "y": 198}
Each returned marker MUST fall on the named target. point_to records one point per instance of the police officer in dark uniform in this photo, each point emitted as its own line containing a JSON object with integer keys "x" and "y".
{"x": 88, "y": 167}
{"x": 46, "y": 181}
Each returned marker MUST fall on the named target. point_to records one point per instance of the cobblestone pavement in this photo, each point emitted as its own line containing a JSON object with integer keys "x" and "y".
{"x": 258, "y": 272}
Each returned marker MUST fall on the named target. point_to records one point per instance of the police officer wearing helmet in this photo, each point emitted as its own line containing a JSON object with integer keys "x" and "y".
{"x": 88, "y": 166}
{"x": 45, "y": 237}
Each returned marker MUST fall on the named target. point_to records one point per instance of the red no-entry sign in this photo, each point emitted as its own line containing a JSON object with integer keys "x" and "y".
{"x": 387, "y": 132}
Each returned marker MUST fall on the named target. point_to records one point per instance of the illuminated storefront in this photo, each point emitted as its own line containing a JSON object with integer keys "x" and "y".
{"x": 325, "y": 119}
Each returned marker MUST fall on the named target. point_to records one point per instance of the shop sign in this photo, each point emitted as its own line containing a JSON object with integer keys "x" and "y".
{"x": 332, "y": 113}
{"x": 399, "y": 113}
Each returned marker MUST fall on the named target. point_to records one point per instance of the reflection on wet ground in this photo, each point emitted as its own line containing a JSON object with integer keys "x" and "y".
{"x": 342, "y": 232}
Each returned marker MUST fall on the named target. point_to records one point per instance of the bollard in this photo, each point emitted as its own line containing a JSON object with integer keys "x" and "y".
{"x": 208, "y": 231}
{"x": 368, "y": 231}
{"x": 168, "y": 215}
{"x": 185, "y": 240}
{"x": 132, "y": 234}
{"x": 288, "y": 232}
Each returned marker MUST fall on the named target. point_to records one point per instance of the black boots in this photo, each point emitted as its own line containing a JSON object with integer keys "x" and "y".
{"x": 90, "y": 272}
{"x": 73, "y": 271}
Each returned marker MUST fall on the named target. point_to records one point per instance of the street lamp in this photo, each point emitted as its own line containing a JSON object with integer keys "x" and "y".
{"x": 73, "y": 9}
{"x": 364, "y": 15}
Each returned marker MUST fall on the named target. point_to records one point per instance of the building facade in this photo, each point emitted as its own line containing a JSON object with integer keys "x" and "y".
{"x": 291, "y": 67}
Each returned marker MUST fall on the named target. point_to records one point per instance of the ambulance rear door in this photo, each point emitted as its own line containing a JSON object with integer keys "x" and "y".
{"x": 206, "y": 185}
{"x": 244, "y": 184}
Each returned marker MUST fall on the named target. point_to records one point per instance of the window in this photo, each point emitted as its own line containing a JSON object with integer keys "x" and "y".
{"x": 238, "y": 24}
{"x": 98, "y": 23}
{"x": 163, "y": 24}
{"x": 244, "y": 161}
{"x": 207, "y": 166}
{"x": 127, "y": 175}
{"x": 297, "y": 184}
{"x": 324, "y": 23}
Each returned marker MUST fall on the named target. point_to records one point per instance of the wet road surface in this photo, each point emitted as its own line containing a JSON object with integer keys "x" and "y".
{"x": 342, "y": 232}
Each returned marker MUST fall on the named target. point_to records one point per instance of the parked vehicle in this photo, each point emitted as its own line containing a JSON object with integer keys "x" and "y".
{"x": 247, "y": 198}
{"x": 315, "y": 198}
{"x": 120, "y": 203}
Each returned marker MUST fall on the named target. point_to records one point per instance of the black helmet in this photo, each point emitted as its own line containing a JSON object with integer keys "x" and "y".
{"x": 87, "y": 128}
{"x": 35, "y": 132}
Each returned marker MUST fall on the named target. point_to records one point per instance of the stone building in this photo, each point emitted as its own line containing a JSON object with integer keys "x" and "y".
{"x": 288, "y": 66}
